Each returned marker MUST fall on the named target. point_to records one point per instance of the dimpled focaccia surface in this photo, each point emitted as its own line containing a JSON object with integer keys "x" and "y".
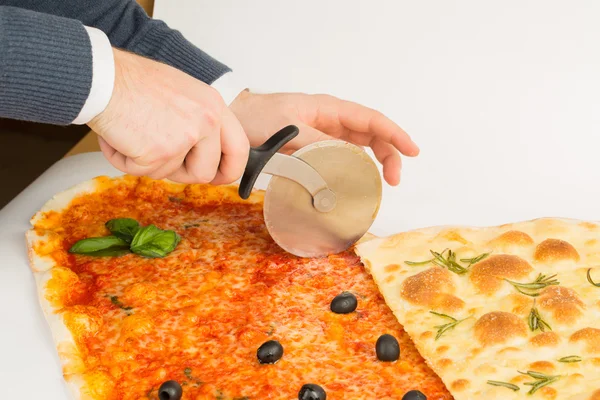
{"x": 501, "y": 330}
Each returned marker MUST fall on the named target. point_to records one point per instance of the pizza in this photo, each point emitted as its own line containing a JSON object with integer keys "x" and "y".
{"x": 505, "y": 312}
{"x": 157, "y": 290}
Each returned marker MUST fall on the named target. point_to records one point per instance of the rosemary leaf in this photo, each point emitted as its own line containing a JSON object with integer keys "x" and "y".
{"x": 589, "y": 278}
{"x": 570, "y": 359}
{"x": 475, "y": 260}
{"x": 532, "y": 288}
{"x": 534, "y": 294}
{"x": 414, "y": 263}
{"x": 504, "y": 384}
{"x": 442, "y": 315}
{"x": 534, "y": 374}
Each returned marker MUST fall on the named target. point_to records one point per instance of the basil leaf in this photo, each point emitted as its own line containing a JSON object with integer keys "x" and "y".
{"x": 123, "y": 228}
{"x": 154, "y": 242}
{"x": 100, "y": 246}
{"x": 112, "y": 252}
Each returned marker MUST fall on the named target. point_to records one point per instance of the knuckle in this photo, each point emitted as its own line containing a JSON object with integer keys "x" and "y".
{"x": 189, "y": 138}
{"x": 211, "y": 118}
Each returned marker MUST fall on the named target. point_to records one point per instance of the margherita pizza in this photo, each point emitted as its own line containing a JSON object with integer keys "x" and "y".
{"x": 155, "y": 290}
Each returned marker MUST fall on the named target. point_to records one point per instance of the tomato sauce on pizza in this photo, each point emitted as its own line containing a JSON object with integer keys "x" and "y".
{"x": 199, "y": 315}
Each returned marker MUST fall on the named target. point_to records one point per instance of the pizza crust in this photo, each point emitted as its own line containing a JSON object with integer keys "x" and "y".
{"x": 40, "y": 246}
{"x": 494, "y": 341}
{"x": 61, "y": 200}
{"x": 69, "y": 357}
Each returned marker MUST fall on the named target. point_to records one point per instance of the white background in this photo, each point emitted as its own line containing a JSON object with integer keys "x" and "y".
{"x": 502, "y": 97}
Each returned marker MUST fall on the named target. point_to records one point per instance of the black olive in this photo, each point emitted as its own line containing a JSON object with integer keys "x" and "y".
{"x": 269, "y": 352}
{"x": 170, "y": 390}
{"x": 310, "y": 391}
{"x": 414, "y": 395}
{"x": 387, "y": 348}
{"x": 344, "y": 303}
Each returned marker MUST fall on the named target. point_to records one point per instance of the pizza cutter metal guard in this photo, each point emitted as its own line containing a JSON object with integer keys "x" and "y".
{"x": 320, "y": 200}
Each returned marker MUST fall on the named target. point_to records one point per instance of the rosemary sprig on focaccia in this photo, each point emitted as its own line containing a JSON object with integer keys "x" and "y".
{"x": 533, "y": 288}
{"x": 541, "y": 380}
{"x": 449, "y": 262}
{"x": 570, "y": 359}
{"x": 504, "y": 384}
{"x": 535, "y": 320}
{"x": 446, "y": 327}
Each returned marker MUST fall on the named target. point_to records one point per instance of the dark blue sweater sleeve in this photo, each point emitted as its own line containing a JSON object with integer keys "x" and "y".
{"x": 46, "y": 57}
{"x": 129, "y": 27}
{"x": 45, "y": 66}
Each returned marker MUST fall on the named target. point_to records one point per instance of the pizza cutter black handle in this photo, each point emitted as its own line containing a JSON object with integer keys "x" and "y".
{"x": 260, "y": 156}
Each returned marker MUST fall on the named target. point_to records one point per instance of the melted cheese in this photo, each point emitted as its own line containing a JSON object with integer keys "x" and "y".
{"x": 494, "y": 340}
{"x": 199, "y": 315}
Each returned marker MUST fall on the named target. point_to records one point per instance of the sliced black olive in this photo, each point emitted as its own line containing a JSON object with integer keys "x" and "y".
{"x": 269, "y": 352}
{"x": 310, "y": 391}
{"x": 170, "y": 390}
{"x": 344, "y": 303}
{"x": 414, "y": 395}
{"x": 387, "y": 348}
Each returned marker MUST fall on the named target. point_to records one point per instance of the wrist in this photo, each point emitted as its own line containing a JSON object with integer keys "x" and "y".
{"x": 120, "y": 67}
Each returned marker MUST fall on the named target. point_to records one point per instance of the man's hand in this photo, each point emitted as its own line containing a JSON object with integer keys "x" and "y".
{"x": 322, "y": 117}
{"x": 163, "y": 123}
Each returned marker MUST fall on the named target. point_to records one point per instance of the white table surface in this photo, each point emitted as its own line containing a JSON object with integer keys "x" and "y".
{"x": 503, "y": 98}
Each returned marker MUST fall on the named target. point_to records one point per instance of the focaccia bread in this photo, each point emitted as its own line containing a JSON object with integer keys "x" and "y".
{"x": 506, "y": 312}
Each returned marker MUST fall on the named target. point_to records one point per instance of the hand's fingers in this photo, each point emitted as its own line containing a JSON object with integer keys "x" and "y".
{"x": 334, "y": 115}
{"x": 385, "y": 153}
{"x": 388, "y": 156}
{"x": 128, "y": 165}
{"x": 115, "y": 158}
{"x": 306, "y": 136}
{"x": 234, "y": 148}
{"x": 108, "y": 151}
{"x": 168, "y": 168}
{"x": 201, "y": 163}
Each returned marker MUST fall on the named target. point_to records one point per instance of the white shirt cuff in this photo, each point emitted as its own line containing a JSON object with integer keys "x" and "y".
{"x": 103, "y": 77}
{"x": 228, "y": 87}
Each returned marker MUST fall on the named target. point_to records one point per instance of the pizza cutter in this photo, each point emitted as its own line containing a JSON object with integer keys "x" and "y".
{"x": 320, "y": 200}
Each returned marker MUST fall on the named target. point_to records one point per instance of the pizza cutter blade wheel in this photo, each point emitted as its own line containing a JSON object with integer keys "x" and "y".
{"x": 322, "y": 199}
